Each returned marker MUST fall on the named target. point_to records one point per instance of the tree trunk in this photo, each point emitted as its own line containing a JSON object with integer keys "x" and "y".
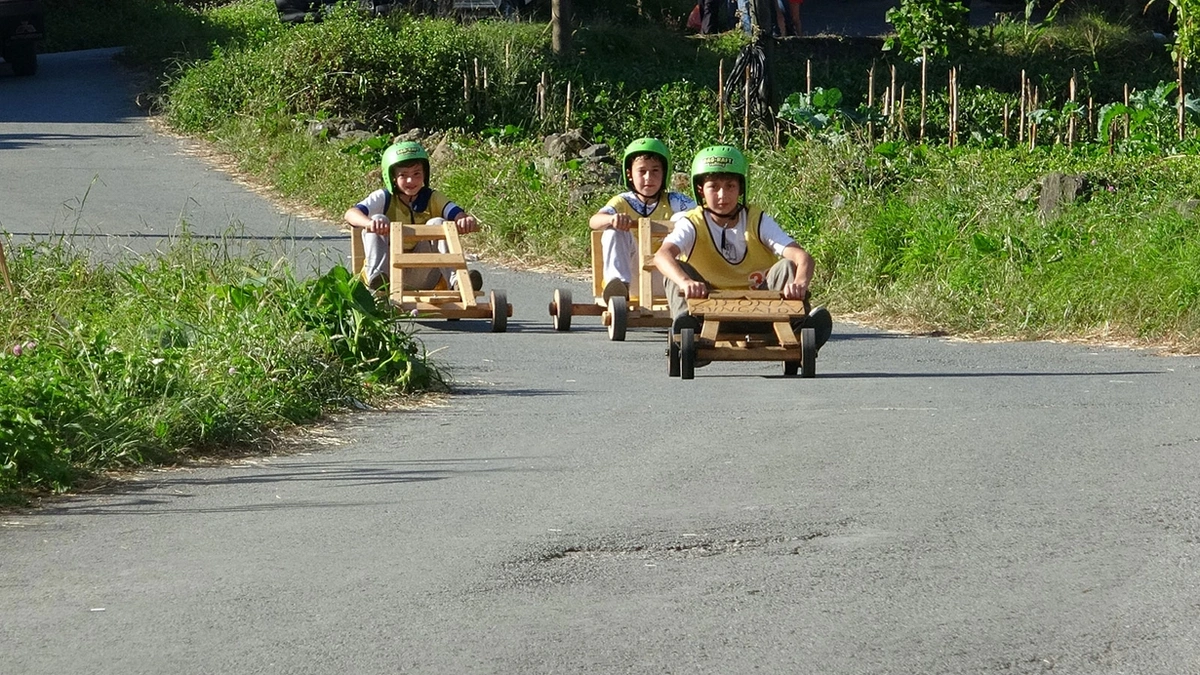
{"x": 560, "y": 20}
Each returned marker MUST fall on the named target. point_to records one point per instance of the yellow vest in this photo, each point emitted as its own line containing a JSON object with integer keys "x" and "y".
{"x": 662, "y": 210}
{"x": 425, "y": 207}
{"x": 721, "y": 274}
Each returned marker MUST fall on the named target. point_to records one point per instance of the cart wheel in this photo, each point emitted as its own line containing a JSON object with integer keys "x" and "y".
{"x": 560, "y": 309}
{"x": 790, "y": 368}
{"x": 499, "y": 311}
{"x": 687, "y": 354}
{"x": 672, "y": 355}
{"x": 618, "y": 312}
{"x": 808, "y": 352}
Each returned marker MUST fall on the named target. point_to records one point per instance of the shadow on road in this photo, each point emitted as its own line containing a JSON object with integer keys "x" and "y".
{"x": 131, "y": 498}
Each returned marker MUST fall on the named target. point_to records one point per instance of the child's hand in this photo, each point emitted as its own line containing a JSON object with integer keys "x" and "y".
{"x": 695, "y": 289}
{"x": 621, "y": 222}
{"x": 379, "y": 225}
{"x": 466, "y": 224}
{"x": 797, "y": 290}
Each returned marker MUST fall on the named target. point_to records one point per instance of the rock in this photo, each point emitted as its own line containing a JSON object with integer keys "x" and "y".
{"x": 566, "y": 145}
{"x": 597, "y": 151}
{"x": 1028, "y": 193}
{"x": 1058, "y": 190}
{"x": 442, "y": 153}
{"x": 1187, "y": 208}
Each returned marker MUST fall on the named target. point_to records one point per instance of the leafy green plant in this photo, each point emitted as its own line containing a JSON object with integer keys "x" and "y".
{"x": 934, "y": 27}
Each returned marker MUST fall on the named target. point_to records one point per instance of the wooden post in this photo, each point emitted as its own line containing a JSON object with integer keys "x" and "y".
{"x": 560, "y": 20}
{"x": 567, "y": 111}
{"x": 1006, "y": 123}
{"x": 542, "y": 100}
{"x": 4, "y": 270}
{"x": 721, "y": 99}
{"x": 476, "y": 72}
{"x": 924, "y": 61}
{"x": 507, "y": 52}
{"x": 808, "y": 78}
{"x": 901, "y": 128}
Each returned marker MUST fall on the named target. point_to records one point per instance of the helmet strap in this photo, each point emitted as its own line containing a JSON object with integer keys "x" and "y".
{"x": 734, "y": 214}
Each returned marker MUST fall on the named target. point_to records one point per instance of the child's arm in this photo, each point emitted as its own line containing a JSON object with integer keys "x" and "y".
{"x": 616, "y": 221}
{"x": 466, "y": 223}
{"x": 665, "y": 261}
{"x": 376, "y": 224}
{"x": 798, "y": 289}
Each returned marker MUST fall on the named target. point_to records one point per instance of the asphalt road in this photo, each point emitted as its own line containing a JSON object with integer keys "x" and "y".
{"x": 924, "y": 505}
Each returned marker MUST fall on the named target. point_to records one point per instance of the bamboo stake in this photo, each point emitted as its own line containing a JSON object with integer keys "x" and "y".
{"x": 1179, "y": 77}
{"x": 4, "y": 270}
{"x": 1006, "y": 123}
{"x": 808, "y": 77}
{"x": 485, "y": 78}
{"x": 871, "y": 101}
{"x": 1033, "y": 125}
{"x": 746, "y": 110}
{"x": 901, "y": 128}
{"x": 1071, "y": 119}
{"x": 924, "y": 90}
{"x": 1021, "y": 114}
{"x": 507, "y": 51}
{"x": 1126, "y": 114}
{"x": 467, "y": 91}
{"x": 721, "y": 99}
{"x": 953, "y": 106}
{"x": 567, "y": 111}
{"x": 542, "y": 109}
{"x": 1091, "y": 128}
{"x": 476, "y": 72}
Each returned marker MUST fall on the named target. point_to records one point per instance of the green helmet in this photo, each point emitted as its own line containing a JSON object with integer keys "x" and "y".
{"x": 398, "y": 153}
{"x": 644, "y": 146}
{"x": 718, "y": 159}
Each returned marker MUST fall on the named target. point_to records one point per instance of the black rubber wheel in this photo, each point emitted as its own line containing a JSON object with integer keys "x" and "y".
{"x": 687, "y": 354}
{"x": 23, "y": 59}
{"x": 618, "y": 315}
{"x": 672, "y": 355}
{"x": 560, "y": 309}
{"x": 499, "y": 311}
{"x": 808, "y": 352}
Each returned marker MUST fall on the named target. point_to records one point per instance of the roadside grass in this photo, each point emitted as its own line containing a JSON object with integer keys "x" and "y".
{"x": 152, "y": 359}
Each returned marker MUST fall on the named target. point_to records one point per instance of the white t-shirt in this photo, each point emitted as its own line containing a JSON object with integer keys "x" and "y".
{"x": 683, "y": 236}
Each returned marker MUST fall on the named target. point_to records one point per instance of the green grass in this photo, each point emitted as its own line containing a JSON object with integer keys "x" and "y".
{"x": 107, "y": 365}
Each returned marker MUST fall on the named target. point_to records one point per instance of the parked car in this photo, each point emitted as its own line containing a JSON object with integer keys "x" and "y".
{"x": 22, "y": 29}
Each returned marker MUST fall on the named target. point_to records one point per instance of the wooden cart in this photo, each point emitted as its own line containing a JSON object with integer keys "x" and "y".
{"x": 744, "y": 326}
{"x": 451, "y": 304}
{"x": 618, "y": 313}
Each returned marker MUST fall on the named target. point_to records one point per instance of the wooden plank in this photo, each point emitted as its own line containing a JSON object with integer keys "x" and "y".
{"x": 421, "y": 232}
{"x": 724, "y": 351}
{"x": 597, "y": 263}
{"x": 431, "y": 296}
{"x": 427, "y": 260}
{"x": 450, "y": 310}
{"x": 745, "y": 309}
{"x": 357, "y": 255}
{"x": 787, "y": 337}
{"x": 710, "y": 330}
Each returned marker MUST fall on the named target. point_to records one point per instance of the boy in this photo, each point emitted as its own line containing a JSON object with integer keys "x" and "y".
{"x": 646, "y": 165}
{"x": 724, "y": 244}
{"x": 406, "y": 198}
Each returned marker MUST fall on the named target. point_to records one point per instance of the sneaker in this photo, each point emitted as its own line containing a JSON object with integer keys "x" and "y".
{"x": 476, "y": 281}
{"x": 615, "y": 288}
{"x": 822, "y": 324}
